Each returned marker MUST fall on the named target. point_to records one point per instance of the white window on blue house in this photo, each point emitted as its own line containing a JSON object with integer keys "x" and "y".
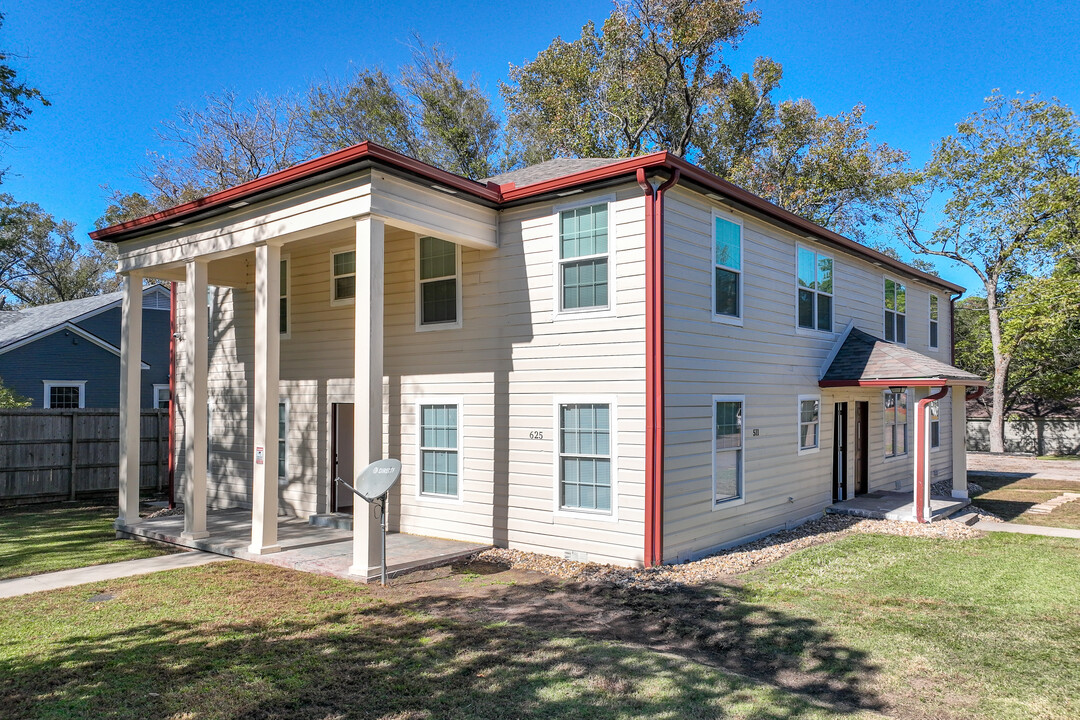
{"x": 727, "y": 270}
{"x": 585, "y": 457}
{"x": 161, "y": 397}
{"x": 65, "y": 394}
{"x": 815, "y": 292}
{"x": 727, "y": 449}
{"x": 583, "y": 265}
{"x": 439, "y": 448}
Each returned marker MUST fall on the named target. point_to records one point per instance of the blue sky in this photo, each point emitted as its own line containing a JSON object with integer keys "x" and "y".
{"x": 115, "y": 69}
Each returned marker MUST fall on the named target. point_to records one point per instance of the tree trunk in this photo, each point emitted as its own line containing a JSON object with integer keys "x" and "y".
{"x": 1001, "y": 370}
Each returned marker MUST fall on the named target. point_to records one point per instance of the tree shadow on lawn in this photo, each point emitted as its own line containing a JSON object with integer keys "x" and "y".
{"x": 508, "y": 652}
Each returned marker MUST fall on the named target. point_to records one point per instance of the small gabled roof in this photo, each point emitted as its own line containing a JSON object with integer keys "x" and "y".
{"x": 863, "y": 359}
{"x": 19, "y": 325}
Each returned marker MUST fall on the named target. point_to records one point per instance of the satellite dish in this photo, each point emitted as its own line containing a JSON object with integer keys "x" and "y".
{"x": 377, "y": 478}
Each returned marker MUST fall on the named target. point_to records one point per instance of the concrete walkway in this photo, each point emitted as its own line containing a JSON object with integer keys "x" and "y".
{"x": 990, "y": 526}
{"x": 109, "y": 571}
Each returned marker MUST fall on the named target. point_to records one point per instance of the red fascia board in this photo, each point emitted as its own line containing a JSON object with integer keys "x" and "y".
{"x": 906, "y": 382}
{"x": 299, "y": 172}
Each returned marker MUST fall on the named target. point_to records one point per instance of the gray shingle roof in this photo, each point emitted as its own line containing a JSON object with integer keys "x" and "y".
{"x": 865, "y": 357}
{"x": 20, "y": 324}
{"x": 549, "y": 170}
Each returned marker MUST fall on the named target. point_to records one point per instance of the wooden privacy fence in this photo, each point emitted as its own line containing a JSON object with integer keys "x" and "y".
{"x": 48, "y": 454}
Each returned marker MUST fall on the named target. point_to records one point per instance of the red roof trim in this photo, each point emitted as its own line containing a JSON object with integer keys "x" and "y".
{"x": 906, "y": 382}
{"x": 499, "y": 194}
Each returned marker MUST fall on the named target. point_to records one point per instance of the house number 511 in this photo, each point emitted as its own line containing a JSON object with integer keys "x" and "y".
{"x": 536, "y": 435}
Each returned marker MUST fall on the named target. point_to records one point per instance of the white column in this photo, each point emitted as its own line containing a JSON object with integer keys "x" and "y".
{"x": 130, "y": 398}
{"x": 368, "y": 376}
{"x": 959, "y": 442}
{"x": 264, "y": 497}
{"x": 196, "y": 329}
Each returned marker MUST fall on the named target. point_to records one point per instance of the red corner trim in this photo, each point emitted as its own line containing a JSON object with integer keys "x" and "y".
{"x": 921, "y": 449}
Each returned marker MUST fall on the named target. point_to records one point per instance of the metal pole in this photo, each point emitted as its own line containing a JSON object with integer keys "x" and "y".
{"x": 382, "y": 523}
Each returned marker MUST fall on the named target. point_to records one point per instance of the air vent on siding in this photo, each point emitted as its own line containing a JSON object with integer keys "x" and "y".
{"x": 156, "y": 300}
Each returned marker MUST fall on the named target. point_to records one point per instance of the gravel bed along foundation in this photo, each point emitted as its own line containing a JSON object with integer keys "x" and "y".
{"x": 728, "y": 562}
{"x": 944, "y": 487}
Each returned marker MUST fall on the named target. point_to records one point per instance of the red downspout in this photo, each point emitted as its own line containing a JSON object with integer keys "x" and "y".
{"x": 921, "y": 450}
{"x": 654, "y": 366}
{"x": 977, "y": 394}
{"x": 172, "y": 397}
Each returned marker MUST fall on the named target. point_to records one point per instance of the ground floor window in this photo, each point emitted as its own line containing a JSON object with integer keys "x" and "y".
{"x": 585, "y": 456}
{"x": 65, "y": 394}
{"x": 439, "y": 449}
{"x": 896, "y": 406}
{"x": 809, "y": 422}
{"x": 283, "y": 441}
{"x": 935, "y": 426}
{"x": 727, "y": 449}
{"x": 161, "y": 397}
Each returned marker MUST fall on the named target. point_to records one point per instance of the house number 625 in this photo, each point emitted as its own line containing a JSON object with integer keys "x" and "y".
{"x": 536, "y": 435}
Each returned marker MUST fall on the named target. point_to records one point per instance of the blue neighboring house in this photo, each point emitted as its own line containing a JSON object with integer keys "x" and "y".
{"x": 67, "y": 355}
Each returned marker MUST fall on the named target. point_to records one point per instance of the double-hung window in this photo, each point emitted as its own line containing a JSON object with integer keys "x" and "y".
{"x": 935, "y": 425}
{"x": 896, "y": 422}
{"x": 815, "y": 292}
{"x": 283, "y": 440}
{"x": 809, "y": 422}
{"x": 895, "y": 312}
{"x": 585, "y": 456}
{"x": 437, "y": 281}
{"x": 727, "y": 449}
{"x": 933, "y": 321}
{"x": 161, "y": 397}
{"x": 283, "y": 303}
{"x": 727, "y": 270}
{"x": 439, "y": 449}
{"x": 343, "y": 281}
{"x": 583, "y": 258}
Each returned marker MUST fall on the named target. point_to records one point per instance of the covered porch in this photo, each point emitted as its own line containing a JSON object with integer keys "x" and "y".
{"x": 302, "y": 546}
{"x": 860, "y": 360}
{"x": 238, "y": 239}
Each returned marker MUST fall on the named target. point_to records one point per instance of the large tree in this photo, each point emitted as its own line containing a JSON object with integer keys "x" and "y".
{"x": 41, "y": 262}
{"x": 1010, "y": 181}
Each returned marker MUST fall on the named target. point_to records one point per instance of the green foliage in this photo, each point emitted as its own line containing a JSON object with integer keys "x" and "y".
{"x": 41, "y": 262}
{"x": 11, "y": 399}
{"x": 16, "y": 97}
{"x": 367, "y": 107}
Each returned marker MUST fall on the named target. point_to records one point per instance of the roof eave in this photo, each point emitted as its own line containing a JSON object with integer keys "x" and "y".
{"x": 905, "y": 382}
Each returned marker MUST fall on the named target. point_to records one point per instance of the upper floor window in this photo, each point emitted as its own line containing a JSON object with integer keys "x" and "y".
{"x": 585, "y": 456}
{"x": 727, "y": 449}
{"x": 727, "y": 270}
{"x": 895, "y": 423}
{"x": 284, "y": 301}
{"x": 815, "y": 290}
{"x": 895, "y": 312}
{"x": 343, "y": 288}
{"x": 437, "y": 283}
{"x": 583, "y": 258}
{"x": 809, "y": 422}
{"x": 933, "y": 321}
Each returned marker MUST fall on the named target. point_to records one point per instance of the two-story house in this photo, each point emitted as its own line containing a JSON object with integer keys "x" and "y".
{"x": 627, "y": 361}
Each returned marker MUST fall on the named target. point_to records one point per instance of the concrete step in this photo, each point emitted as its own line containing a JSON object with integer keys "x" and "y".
{"x": 339, "y": 521}
{"x": 967, "y": 518}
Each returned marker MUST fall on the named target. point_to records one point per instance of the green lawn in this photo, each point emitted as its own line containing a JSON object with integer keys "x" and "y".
{"x": 44, "y": 538}
{"x": 912, "y": 628}
{"x": 1010, "y": 498}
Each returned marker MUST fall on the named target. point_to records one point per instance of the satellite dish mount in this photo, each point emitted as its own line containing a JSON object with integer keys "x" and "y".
{"x": 372, "y": 485}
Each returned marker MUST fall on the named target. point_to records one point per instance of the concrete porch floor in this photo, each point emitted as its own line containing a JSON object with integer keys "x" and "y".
{"x": 304, "y": 547}
{"x": 896, "y": 506}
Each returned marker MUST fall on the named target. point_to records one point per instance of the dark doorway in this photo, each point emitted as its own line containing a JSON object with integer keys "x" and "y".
{"x": 839, "y": 454}
{"x": 862, "y": 448}
{"x": 342, "y": 454}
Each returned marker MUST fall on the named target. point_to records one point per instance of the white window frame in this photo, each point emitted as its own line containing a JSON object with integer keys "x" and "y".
{"x": 50, "y": 384}
{"x": 885, "y": 426}
{"x": 556, "y": 440}
{"x": 816, "y": 447}
{"x": 741, "y": 499}
{"x": 727, "y": 319}
{"x": 935, "y": 419}
{"x": 286, "y": 295}
{"x": 934, "y": 323}
{"x": 418, "y": 426}
{"x": 288, "y": 424}
{"x": 341, "y": 302}
{"x": 557, "y": 311}
{"x": 817, "y": 254}
{"x": 884, "y": 310}
{"x": 418, "y": 298}
{"x": 157, "y": 389}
